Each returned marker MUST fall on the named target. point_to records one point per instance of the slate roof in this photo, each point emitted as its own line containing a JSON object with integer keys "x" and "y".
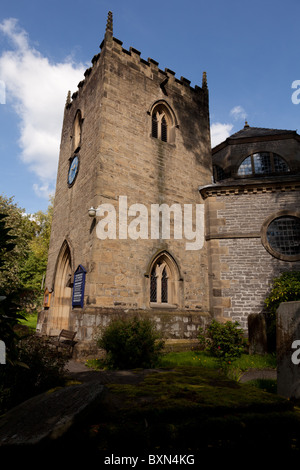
{"x": 248, "y": 131}
{"x": 256, "y": 133}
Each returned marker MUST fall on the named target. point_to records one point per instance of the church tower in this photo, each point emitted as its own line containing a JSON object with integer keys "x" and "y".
{"x": 135, "y": 147}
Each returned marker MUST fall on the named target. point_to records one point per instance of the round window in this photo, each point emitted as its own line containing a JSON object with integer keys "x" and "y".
{"x": 281, "y": 237}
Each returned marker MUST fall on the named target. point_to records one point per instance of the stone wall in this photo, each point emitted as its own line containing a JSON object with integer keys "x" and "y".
{"x": 172, "y": 326}
{"x": 241, "y": 269}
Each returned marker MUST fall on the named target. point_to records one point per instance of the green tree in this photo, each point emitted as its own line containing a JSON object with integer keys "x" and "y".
{"x": 21, "y": 227}
{"x": 6, "y": 240}
{"x": 9, "y": 305}
{"x": 33, "y": 269}
{"x": 24, "y": 266}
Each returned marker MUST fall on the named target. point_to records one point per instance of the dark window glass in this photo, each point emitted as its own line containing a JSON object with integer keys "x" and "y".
{"x": 153, "y": 286}
{"x": 283, "y": 235}
{"x": 164, "y": 286}
{"x": 219, "y": 173}
{"x": 164, "y": 130}
{"x": 280, "y": 164}
{"x": 154, "y": 127}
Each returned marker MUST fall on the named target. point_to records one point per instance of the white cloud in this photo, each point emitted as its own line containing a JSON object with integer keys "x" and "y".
{"x": 37, "y": 90}
{"x": 238, "y": 112}
{"x": 44, "y": 190}
{"x": 219, "y": 132}
{"x": 2, "y": 92}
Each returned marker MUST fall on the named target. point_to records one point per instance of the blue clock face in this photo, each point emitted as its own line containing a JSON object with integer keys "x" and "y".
{"x": 73, "y": 170}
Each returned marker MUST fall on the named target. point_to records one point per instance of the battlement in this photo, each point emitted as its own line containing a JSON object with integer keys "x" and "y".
{"x": 154, "y": 64}
{"x": 116, "y": 46}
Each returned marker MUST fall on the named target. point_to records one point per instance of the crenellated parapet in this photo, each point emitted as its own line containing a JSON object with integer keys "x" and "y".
{"x": 149, "y": 66}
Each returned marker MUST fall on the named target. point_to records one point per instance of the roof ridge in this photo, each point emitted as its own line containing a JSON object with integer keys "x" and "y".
{"x": 250, "y": 131}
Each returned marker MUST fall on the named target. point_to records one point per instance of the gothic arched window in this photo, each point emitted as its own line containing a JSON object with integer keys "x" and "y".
{"x": 164, "y": 277}
{"x": 163, "y": 124}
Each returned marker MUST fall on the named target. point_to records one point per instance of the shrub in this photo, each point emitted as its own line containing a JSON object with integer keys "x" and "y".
{"x": 225, "y": 341}
{"x": 131, "y": 343}
{"x": 46, "y": 365}
{"x": 285, "y": 288}
{"x": 38, "y": 368}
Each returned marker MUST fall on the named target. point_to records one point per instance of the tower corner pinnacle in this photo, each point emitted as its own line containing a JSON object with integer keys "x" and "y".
{"x": 109, "y": 25}
{"x": 204, "y": 80}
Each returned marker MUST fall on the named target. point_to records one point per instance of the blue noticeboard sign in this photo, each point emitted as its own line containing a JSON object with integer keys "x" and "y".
{"x": 78, "y": 287}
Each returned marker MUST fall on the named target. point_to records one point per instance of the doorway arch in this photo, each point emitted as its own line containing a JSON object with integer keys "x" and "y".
{"x": 62, "y": 291}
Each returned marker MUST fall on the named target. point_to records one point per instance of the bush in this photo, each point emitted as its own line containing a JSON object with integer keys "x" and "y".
{"x": 131, "y": 344}
{"x": 286, "y": 288}
{"x": 46, "y": 365}
{"x": 225, "y": 341}
{"x": 38, "y": 368}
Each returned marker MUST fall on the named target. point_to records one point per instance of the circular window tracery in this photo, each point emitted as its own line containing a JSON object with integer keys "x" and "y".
{"x": 281, "y": 236}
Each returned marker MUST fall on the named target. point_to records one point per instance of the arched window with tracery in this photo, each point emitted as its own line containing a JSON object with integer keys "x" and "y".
{"x": 163, "y": 123}
{"x": 164, "y": 278}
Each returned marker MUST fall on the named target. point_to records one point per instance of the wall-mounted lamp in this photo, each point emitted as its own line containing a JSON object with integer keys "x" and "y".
{"x": 92, "y": 212}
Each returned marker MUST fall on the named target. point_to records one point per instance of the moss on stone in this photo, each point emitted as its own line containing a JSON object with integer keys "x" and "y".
{"x": 192, "y": 409}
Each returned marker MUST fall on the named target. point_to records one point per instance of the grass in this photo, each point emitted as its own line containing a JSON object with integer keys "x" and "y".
{"x": 267, "y": 385}
{"x": 30, "y": 321}
{"x": 202, "y": 359}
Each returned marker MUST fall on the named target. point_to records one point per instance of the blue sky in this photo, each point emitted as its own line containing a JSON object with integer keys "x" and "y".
{"x": 249, "y": 49}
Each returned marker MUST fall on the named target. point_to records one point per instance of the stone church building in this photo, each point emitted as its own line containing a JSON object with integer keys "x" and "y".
{"x": 149, "y": 220}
